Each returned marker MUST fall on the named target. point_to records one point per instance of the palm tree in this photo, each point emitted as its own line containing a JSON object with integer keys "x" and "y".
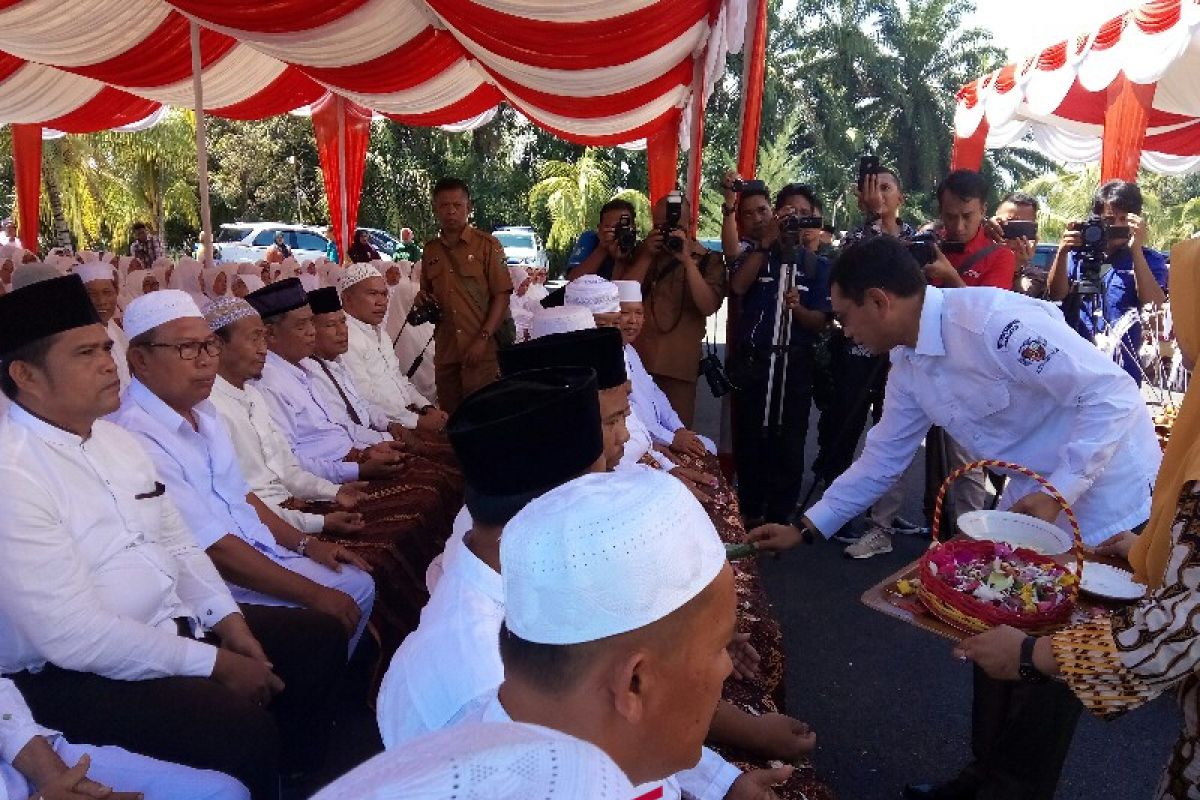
{"x": 572, "y": 193}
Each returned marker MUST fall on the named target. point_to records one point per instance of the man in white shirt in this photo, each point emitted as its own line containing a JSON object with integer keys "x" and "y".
{"x": 9, "y": 235}
{"x": 977, "y": 361}
{"x": 274, "y": 475}
{"x": 100, "y": 280}
{"x": 38, "y": 761}
{"x": 110, "y": 615}
{"x": 371, "y": 359}
{"x": 600, "y": 645}
{"x": 650, "y": 404}
{"x": 173, "y": 358}
{"x": 452, "y": 657}
{"x": 323, "y": 442}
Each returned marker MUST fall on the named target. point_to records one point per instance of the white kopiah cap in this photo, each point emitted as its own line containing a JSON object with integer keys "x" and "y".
{"x": 486, "y": 761}
{"x": 605, "y": 554}
{"x": 560, "y": 319}
{"x": 593, "y": 293}
{"x": 96, "y": 271}
{"x": 629, "y": 291}
{"x": 158, "y": 308}
{"x": 356, "y": 273}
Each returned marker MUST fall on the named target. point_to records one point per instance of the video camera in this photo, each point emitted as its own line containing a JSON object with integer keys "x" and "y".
{"x": 1095, "y": 234}
{"x": 429, "y": 311}
{"x": 791, "y": 224}
{"x": 923, "y": 248}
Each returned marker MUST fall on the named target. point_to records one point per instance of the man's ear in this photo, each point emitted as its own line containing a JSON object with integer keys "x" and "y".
{"x": 22, "y": 374}
{"x": 629, "y": 679}
{"x": 136, "y": 356}
{"x": 877, "y": 299}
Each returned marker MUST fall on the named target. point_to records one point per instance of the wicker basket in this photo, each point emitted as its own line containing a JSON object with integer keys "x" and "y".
{"x": 968, "y": 613}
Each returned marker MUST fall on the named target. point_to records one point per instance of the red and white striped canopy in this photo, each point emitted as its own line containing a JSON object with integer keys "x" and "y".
{"x": 598, "y": 72}
{"x": 1061, "y": 94}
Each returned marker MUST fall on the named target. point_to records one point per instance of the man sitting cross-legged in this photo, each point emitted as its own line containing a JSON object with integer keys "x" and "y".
{"x": 115, "y": 626}
{"x": 173, "y": 358}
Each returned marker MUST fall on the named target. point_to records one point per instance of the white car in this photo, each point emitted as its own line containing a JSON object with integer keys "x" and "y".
{"x": 249, "y": 241}
{"x": 522, "y": 247}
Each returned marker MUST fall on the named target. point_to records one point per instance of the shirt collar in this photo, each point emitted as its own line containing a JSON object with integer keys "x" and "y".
{"x": 459, "y": 560}
{"x": 51, "y": 434}
{"x": 468, "y": 237}
{"x": 166, "y": 415}
{"x": 288, "y": 367}
{"x": 355, "y": 322}
{"x": 929, "y": 335}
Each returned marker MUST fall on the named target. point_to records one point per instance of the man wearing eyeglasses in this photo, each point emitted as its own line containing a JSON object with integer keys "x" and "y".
{"x": 266, "y": 561}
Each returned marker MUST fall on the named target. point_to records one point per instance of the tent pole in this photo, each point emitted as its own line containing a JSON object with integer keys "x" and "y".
{"x": 206, "y": 236}
{"x": 754, "y": 71}
{"x": 344, "y": 222}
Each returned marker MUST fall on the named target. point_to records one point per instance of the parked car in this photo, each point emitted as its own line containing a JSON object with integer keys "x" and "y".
{"x": 522, "y": 247}
{"x": 249, "y": 241}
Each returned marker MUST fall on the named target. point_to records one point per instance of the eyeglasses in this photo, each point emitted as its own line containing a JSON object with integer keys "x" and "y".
{"x": 190, "y": 351}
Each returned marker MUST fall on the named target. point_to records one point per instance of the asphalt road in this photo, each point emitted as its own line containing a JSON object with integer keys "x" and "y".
{"x": 889, "y": 703}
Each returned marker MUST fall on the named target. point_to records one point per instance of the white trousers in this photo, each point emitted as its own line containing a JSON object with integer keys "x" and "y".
{"x": 129, "y": 772}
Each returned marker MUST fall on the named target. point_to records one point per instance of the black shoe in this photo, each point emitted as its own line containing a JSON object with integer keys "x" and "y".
{"x": 848, "y": 534}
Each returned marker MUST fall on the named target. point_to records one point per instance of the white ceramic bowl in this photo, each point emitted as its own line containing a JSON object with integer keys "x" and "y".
{"x": 1019, "y": 530}
{"x": 1111, "y": 582}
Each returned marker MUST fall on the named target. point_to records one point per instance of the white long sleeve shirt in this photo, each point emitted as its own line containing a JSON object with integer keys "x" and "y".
{"x": 320, "y": 444}
{"x": 710, "y": 779}
{"x": 96, "y": 562}
{"x": 372, "y": 421}
{"x": 372, "y": 363}
{"x": 452, "y": 657}
{"x": 120, "y": 352}
{"x": 267, "y": 462}
{"x": 650, "y": 403}
{"x": 1007, "y": 379}
{"x": 200, "y": 468}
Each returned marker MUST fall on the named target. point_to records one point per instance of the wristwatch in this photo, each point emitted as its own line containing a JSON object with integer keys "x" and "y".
{"x": 1028, "y": 672}
{"x": 303, "y": 545}
{"x": 727, "y": 210}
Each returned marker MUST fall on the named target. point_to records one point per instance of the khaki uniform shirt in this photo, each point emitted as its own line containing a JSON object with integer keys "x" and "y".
{"x": 464, "y": 287}
{"x": 670, "y": 340}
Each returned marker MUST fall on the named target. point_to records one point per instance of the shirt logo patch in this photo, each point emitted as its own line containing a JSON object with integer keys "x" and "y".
{"x": 1035, "y": 352}
{"x": 1007, "y": 334}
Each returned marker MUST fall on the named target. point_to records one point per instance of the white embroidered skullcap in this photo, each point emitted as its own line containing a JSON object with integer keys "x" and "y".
{"x": 486, "y": 761}
{"x": 158, "y": 308}
{"x": 560, "y": 319}
{"x": 629, "y": 291}
{"x": 605, "y": 554}
{"x": 356, "y": 273}
{"x": 227, "y": 310}
{"x": 95, "y": 271}
{"x": 593, "y": 293}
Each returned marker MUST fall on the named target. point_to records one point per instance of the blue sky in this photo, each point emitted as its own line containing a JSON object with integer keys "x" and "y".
{"x": 1023, "y": 27}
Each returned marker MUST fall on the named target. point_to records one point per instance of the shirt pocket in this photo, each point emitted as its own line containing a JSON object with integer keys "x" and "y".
{"x": 979, "y": 404}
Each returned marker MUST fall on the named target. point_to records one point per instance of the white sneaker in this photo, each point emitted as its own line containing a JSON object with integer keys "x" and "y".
{"x": 872, "y": 543}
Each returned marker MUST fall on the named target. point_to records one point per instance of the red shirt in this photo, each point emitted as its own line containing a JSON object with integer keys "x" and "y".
{"x": 997, "y": 268}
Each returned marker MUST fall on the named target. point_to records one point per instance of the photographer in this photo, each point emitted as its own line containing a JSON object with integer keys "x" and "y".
{"x": 1018, "y": 207}
{"x": 880, "y": 199}
{"x": 770, "y": 458}
{"x": 464, "y": 273}
{"x": 601, "y": 251}
{"x": 683, "y": 283}
{"x": 1127, "y": 274}
{"x": 971, "y": 257}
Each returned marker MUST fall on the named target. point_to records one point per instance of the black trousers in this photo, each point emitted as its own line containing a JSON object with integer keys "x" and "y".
{"x": 770, "y": 460}
{"x": 856, "y": 384}
{"x": 1020, "y": 736}
{"x": 200, "y": 723}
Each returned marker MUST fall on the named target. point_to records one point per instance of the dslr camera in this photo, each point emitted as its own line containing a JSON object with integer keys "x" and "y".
{"x": 738, "y": 185}
{"x": 672, "y": 241}
{"x": 923, "y": 248}
{"x": 1095, "y": 234}
{"x": 625, "y": 235}
{"x": 428, "y": 311}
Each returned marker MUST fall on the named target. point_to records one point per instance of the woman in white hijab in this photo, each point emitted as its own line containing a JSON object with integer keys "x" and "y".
{"x": 308, "y": 277}
{"x": 186, "y": 278}
{"x": 329, "y": 272}
{"x": 215, "y": 281}
{"x": 245, "y": 284}
{"x": 140, "y": 282}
